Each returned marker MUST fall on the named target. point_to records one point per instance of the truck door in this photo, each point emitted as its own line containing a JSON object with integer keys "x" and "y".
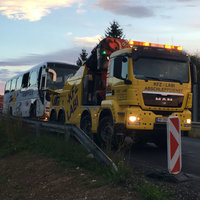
{"x": 119, "y": 77}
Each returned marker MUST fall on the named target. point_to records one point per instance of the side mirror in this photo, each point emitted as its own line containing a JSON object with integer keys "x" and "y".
{"x": 118, "y": 65}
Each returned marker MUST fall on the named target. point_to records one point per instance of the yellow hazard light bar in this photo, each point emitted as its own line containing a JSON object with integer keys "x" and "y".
{"x": 136, "y": 43}
{"x": 179, "y": 48}
{"x": 168, "y": 47}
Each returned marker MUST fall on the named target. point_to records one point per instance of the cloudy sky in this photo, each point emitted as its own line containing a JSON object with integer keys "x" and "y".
{"x": 35, "y": 31}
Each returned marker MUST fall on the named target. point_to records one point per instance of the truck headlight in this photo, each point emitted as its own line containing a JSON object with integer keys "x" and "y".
{"x": 188, "y": 121}
{"x": 133, "y": 120}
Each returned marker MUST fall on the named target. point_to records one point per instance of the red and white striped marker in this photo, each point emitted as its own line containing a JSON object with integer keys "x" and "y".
{"x": 174, "y": 145}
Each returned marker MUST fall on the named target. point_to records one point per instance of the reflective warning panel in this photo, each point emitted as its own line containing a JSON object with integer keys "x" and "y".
{"x": 174, "y": 145}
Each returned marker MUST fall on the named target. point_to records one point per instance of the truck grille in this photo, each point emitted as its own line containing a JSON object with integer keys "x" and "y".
{"x": 163, "y": 113}
{"x": 162, "y": 99}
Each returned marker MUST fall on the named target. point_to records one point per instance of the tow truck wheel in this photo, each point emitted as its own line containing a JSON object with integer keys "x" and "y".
{"x": 184, "y": 133}
{"x": 61, "y": 117}
{"x": 161, "y": 142}
{"x": 53, "y": 116}
{"x": 106, "y": 133}
{"x": 86, "y": 125}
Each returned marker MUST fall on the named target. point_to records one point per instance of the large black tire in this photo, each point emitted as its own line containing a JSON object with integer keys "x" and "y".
{"x": 33, "y": 111}
{"x": 184, "y": 133}
{"x": 106, "y": 133}
{"x": 61, "y": 117}
{"x": 161, "y": 142}
{"x": 10, "y": 112}
{"x": 53, "y": 116}
{"x": 86, "y": 125}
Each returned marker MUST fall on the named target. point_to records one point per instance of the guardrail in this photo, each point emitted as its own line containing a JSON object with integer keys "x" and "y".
{"x": 196, "y": 124}
{"x": 73, "y": 130}
{"x": 195, "y": 131}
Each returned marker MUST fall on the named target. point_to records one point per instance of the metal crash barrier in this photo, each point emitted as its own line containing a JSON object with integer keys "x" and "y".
{"x": 73, "y": 130}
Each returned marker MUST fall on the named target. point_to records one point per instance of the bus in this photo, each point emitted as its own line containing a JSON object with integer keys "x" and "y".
{"x": 27, "y": 95}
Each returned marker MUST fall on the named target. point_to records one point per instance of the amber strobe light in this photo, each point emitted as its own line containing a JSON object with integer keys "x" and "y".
{"x": 136, "y": 43}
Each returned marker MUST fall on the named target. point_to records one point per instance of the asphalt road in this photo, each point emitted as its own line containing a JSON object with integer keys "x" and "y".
{"x": 153, "y": 157}
{"x": 191, "y": 155}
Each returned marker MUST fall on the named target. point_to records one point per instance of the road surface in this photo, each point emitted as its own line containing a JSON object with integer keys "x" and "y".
{"x": 153, "y": 157}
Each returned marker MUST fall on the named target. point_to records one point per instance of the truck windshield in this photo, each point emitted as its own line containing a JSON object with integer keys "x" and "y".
{"x": 161, "y": 70}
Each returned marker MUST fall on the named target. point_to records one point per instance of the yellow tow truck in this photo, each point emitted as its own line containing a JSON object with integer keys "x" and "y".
{"x": 127, "y": 88}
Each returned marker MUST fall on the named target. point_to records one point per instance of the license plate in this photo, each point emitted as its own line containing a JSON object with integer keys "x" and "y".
{"x": 161, "y": 119}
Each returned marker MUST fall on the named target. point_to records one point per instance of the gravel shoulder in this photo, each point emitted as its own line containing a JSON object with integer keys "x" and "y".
{"x": 26, "y": 176}
{"x": 30, "y": 177}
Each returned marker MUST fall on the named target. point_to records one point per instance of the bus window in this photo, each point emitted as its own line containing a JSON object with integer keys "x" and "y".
{"x": 19, "y": 83}
{"x": 33, "y": 78}
{"x": 59, "y": 79}
{"x": 25, "y": 80}
{"x": 43, "y": 82}
{"x": 67, "y": 76}
{"x": 7, "y": 87}
{"x": 13, "y": 85}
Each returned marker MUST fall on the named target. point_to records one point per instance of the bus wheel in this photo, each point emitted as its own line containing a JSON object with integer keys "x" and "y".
{"x": 61, "y": 117}
{"x": 106, "y": 133}
{"x": 10, "y": 112}
{"x": 33, "y": 111}
{"x": 86, "y": 125}
{"x": 53, "y": 116}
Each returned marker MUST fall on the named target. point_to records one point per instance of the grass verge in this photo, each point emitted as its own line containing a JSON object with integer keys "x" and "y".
{"x": 151, "y": 192}
{"x": 15, "y": 137}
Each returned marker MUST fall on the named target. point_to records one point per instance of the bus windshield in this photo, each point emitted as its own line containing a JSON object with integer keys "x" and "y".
{"x": 63, "y": 72}
{"x": 161, "y": 70}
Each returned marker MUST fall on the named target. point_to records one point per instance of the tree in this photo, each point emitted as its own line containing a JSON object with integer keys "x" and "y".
{"x": 195, "y": 59}
{"x": 82, "y": 58}
{"x": 114, "y": 30}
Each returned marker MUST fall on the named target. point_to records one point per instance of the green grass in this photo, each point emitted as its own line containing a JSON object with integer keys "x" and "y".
{"x": 15, "y": 137}
{"x": 151, "y": 192}
{"x": 3, "y": 179}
